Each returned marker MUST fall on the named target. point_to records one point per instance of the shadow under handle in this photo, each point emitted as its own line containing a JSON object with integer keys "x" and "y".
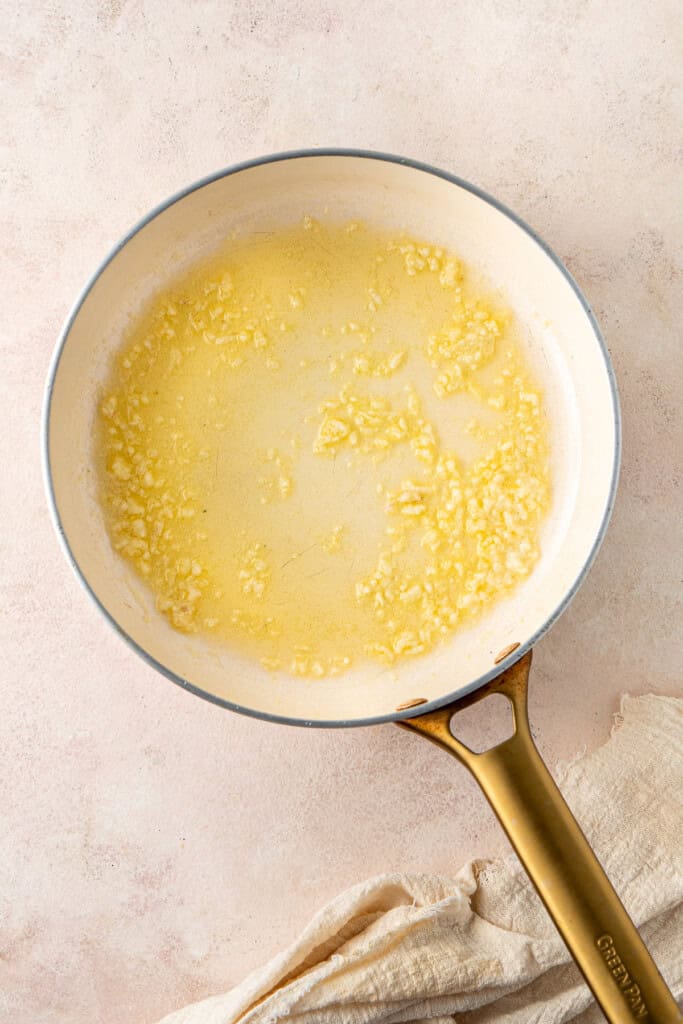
{"x": 556, "y": 855}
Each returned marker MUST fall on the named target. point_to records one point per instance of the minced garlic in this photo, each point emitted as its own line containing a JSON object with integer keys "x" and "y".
{"x": 325, "y": 391}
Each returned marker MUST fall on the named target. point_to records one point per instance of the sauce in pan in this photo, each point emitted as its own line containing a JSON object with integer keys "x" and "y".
{"x": 322, "y": 445}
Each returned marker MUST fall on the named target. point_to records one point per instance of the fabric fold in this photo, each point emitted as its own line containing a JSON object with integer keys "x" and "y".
{"x": 479, "y": 948}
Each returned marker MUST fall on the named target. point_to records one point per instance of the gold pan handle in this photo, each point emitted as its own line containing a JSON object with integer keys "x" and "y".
{"x": 558, "y": 859}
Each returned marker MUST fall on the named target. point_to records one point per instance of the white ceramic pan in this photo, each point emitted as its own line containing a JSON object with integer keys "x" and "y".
{"x": 568, "y": 355}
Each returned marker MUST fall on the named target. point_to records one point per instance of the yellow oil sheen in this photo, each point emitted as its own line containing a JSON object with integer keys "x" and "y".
{"x": 324, "y": 445}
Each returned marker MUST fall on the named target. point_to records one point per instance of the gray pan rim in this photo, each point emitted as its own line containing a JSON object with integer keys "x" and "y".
{"x": 395, "y": 716}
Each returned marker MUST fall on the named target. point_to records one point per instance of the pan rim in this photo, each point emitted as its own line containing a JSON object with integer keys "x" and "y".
{"x": 395, "y": 716}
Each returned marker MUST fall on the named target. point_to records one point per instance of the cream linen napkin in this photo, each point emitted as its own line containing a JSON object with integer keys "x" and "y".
{"x": 479, "y": 948}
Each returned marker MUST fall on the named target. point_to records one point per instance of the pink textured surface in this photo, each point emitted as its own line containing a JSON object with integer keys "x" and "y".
{"x": 154, "y": 848}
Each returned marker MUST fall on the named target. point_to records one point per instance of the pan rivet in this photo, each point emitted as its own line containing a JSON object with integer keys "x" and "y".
{"x": 504, "y": 653}
{"x": 411, "y": 703}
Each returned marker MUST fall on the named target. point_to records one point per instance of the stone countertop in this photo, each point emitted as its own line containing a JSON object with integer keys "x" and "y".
{"x": 153, "y": 847}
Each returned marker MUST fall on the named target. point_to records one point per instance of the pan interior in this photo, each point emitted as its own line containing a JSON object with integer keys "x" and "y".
{"x": 561, "y": 346}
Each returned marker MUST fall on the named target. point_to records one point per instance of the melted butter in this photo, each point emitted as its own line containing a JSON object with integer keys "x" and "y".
{"x": 324, "y": 444}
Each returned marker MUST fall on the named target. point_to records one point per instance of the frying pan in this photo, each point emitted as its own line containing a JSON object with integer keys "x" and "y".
{"x": 568, "y": 354}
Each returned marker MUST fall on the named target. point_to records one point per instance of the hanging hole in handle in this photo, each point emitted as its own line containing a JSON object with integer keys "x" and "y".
{"x": 486, "y": 724}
